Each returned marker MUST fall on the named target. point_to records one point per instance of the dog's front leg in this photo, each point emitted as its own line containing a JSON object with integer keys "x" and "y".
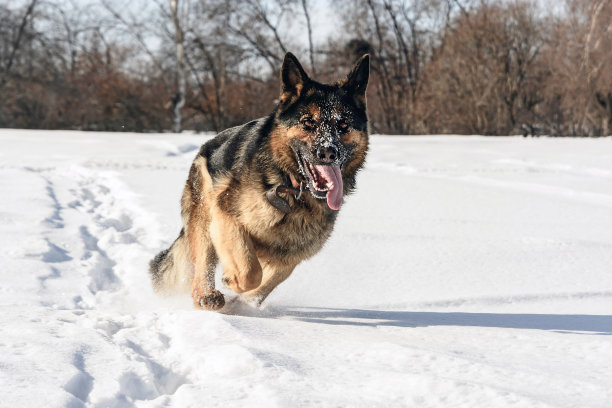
{"x": 195, "y": 210}
{"x": 274, "y": 273}
{"x": 241, "y": 268}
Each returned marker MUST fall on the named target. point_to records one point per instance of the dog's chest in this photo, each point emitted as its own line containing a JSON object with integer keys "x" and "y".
{"x": 298, "y": 235}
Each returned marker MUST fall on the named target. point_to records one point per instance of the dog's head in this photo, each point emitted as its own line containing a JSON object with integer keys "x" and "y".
{"x": 321, "y": 134}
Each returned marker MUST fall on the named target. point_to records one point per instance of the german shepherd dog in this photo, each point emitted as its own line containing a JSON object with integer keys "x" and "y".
{"x": 262, "y": 197}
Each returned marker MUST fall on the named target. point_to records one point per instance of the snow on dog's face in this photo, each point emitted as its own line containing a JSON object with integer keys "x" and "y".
{"x": 321, "y": 138}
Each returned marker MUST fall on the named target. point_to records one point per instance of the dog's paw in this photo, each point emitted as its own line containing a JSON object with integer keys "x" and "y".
{"x": 211, "y": 301}
{"x": 254, "y": 301}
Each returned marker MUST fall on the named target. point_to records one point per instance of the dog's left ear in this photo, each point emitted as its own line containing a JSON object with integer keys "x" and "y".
{"x": 357, "y": 81}
{"x": 293, "y": 79}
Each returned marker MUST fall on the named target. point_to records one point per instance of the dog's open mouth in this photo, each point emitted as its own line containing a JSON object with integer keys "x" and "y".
{"x": 324, "y": 181}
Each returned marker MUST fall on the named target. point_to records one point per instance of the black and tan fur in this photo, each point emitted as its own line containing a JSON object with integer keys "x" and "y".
{"x": 226, "y": 216}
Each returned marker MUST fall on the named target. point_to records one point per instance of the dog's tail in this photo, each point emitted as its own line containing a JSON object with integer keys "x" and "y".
{"x": 172, "y": 270}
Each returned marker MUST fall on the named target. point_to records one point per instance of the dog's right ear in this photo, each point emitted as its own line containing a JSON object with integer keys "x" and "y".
{"x": 293, "y": 79}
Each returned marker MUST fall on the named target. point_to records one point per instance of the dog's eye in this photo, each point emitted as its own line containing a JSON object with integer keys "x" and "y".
{"x": 342, "y": 125}
{"x": 308, "y": 124}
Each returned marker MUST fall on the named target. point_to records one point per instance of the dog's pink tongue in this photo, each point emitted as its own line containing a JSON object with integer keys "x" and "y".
{"x": 333, "y": 177}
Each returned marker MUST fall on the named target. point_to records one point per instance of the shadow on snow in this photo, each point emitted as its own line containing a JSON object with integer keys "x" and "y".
{"x": 585, "y": 324}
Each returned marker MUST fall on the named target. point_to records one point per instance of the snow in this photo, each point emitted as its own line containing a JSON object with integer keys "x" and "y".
{"x": 465, "y": 272}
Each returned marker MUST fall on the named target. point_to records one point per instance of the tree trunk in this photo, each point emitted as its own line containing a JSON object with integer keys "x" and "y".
{"x": 310, "y": 45}
{"x": 179, "y": 99}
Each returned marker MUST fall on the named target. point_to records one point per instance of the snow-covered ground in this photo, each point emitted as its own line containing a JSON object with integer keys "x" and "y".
{"x": 465, "y": 272}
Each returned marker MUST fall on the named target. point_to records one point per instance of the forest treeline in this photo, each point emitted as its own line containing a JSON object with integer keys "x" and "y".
{"x": 438, "y": 66}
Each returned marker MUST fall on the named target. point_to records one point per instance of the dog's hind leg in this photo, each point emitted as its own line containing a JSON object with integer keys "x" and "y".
{"x": 274, "y": 273}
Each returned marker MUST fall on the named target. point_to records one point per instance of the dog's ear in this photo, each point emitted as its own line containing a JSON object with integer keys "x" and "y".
{"x": 293, "y": 79}
{"x": 357, "y": 80}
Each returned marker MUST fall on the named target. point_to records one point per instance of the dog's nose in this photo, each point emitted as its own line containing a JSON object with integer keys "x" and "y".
{"x": 327, "y": 154}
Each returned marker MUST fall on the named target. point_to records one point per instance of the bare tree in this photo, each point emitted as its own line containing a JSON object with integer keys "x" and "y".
{"x": 597, "y": 64}
{"x": 310, "y": 44}
{"x": 15, "y": 45}
{"x": 257, "y": 24}
{"x": 179, "y": 99}
{"x": 459, "y": 66}
{"x": 579, "y": 90}
{"x": 399, "y": 35}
